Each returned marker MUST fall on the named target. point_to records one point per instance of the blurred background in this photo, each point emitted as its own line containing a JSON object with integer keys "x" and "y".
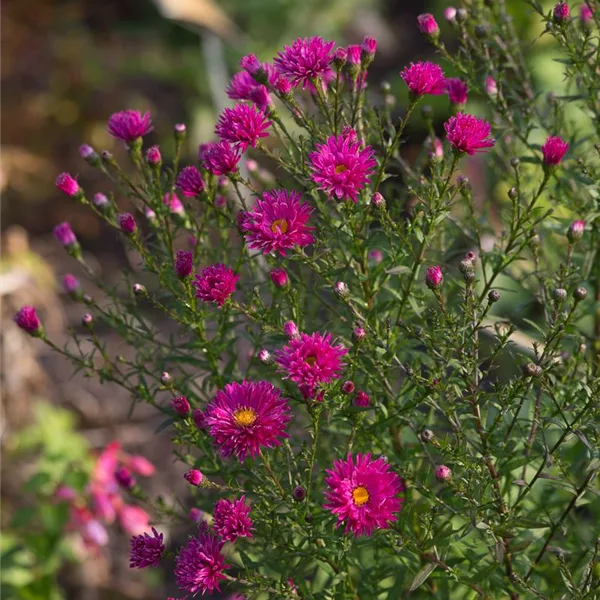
{"x": 66, "y": 66}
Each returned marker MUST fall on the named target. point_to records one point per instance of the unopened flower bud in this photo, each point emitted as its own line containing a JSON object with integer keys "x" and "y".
{"x": 124, "y": 478}
{"x": 64, "y": 235}
{"x": 340, "y": 57}
{"x": 428, "y": 26}
{"x": 299, "y": 493}
{"x": 265, "y": 356}
{"x": 194, "y": 477}
{"x": 559, "y": 295}
{"x": 153, "y": 156}
{"x": 560, "y": 13}
{"x": 180, "y": 131}
{"x": 450, "y": 14}
{"x": 493, "y": 296}
{"x": 513, "y": 194}
{"x": 291, "y": 330}
{"x": 166, "y": 378}
{"x": 87, "y": 320}
{"x": 427, "y": 111}
{"x": 434, "y": 277}
{"x": 462, "y": 14}
{"x": 68, "y": 185}
{"x": 280, "y": 278}
{"x": 184, "y": 263}
{"x": 481, "y": 31}
{"x": 469, "y": 276}
{"x": 465, "y": 266}
{"x": 127, "y": 223}
{"x": 532, "y": 370}
{"x": 575, "y": 231}
{"x": 89, "y": 155}
{"x": 443, "y": 473}
{"x": 378, "y": 201}
{"x": 195, "y": 515}
{"x": 27, "y": 319}
{"x": 579, "y": 294}
{"x": 139, "y": 290}
{"x": 362, "y": 399}
{"x": 359, "y": 334}
{"x": 491, "y": 89}
{"x": 71, "y": 285}
{"x": 341, "y": 289}
{"x": 198, "y": 418}
{"x": 181, "y": 406}
{"x": 100, "y": 201}
{"x": 427, "y": 436}
{"x": 347, "y": 387}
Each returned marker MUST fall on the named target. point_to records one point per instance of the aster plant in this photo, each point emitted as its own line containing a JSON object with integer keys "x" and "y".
{"x": 385, "y": 379}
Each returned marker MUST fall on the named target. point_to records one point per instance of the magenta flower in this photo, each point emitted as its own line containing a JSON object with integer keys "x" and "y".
{"x": 560, "y": 12}
{"x": 181, "y": 406}
{"x": 353, "y": 54}
{"x": 277, "y": 222}
{"x": 124, "y": 478}
{"x": 576, "y": 231}
{"x": 129, "y": 125}
{"x": 280, "y": 278}
{"x": 311, "y": 360}
{"x": 305, "y": 61}
{"x": 424, "y": 78}
{"x": 434, "y": 277}
{"x": 153, "y": 156}
{"x": 242, "y": 126}
{"x": 184, "y": 263}
{"x": 428, "y": 25}
{"x": 468, "y": 133}
{"x": 586, "y": 14}
{"x": 127, "y": 223}
{"x": 27, "y": 319}
{"x": 491, "y": 88}
{"x": 363, "y": 493}
{"x": 194, "y": 477}
{"x": 243, "y": 86}
{"x": 369, "y": 47}
{"x": 221, "y": 158}
{"x": 215, "y": 284}
{"x": 362, "y": 399}
{"x": 457, "y": 91}
{"x": 553, "y": 150}
{"x": 174, "y": 203}
{"x": 68, "y": 185}
{"x": 200, "y": 564}
{"x": 101, "y": 202}
{"x": 443, "y": 473}
{"x": 341, "y": 168}
{"x": 64, "y": 234}
{"x": 231, "y": 519}
{"x": 189, "y": 181}
{"x": 243, "y": 417}
{"x": 250, "y": 64}
{"x": 71, "y": 284}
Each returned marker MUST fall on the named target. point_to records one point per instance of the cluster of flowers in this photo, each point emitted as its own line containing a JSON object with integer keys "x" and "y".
{"x": 102, "y": 503}
{"x": 248, "y": 417}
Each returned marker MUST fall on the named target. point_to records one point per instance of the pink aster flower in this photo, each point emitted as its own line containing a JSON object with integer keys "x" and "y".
{"x": 311, "y": 360}
{"x": 560, "y": 12}
{"x": 184, "y": 263}
{"x": 280, "y": 278}
{"x": 576, "y": 231}
{"x": 362, "y": 399}
{"x": 242, "y": 126}
{"x": 553, "y": 150}
{"x": 133, "y": 519}
{"x": 363, "y": 493}
{"x": 174, "y": 203}
{"x": 129, "y": 125}
{"x": 457, "y": 91}
{"x": 491, "y": 88}
{"x": 146, "y": 550}
{"x": 305, "y": 61}
{"x": 243, "y": 417}
{"x": 215, "y": 284}
{"x": 424, "y": 78}
{"x": 71, "y": 284}
{"x": 189, "y": 181}
{"x": 68, "y": 185}
{"x": 277, "y": 222}
{"x": 468, "y": 133}
{"x": 428, "y": 25}
{"x": 243, "y": 86}
{"x": 341, "y": 168}
{"x": 434, "y": 277}
{"x": 27, "y": 319}
{"x": 221, "y": 158}
{"x": 200, "y": 564}
{"x": 586, "y": 14}
{"x": 127, "y": 223}
{"x": 231, "y": 519}
{"x": 64, "y": 234}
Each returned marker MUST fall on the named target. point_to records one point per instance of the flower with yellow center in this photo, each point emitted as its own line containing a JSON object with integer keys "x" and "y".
{"x": 244, "y": 417}
{"x": 340, "y": 169}
{"x": 360, "y": 495}
{"x": 311, "y": 359}
{"x": 280, "y": 225}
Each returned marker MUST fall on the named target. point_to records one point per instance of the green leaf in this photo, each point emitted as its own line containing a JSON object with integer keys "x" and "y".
{"x": 422, "y": 576}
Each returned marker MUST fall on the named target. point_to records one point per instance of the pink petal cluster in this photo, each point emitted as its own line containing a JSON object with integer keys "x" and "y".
{"x": 220, "y": 158}
{"x": 280, "y": 278}
{"x": 184, "y": 263}
{"x": 457, "y": 90}
{"x": 146, "y": 550}
{"x": 277, "y": 222}
{"x": 427, "y": 24}
{"x": 553, "y": 150}
{"x": 244, "y": 417}
{"x": 190, "y": 182}
{"x": 243, "y": 86}
{"x": 200, "y": 564}
{"x": 434, "y": 277}
{"x": 215, "y": 284}
{"x": 242, "y": 126}
{"x": 311, "y": 360}
{"x": 340, "y": 167}
{"x": 306, "y": 61}
{"x": 363, "y": 494}
{"x": 129, "y": 125}
{"x": 231, "y": 519}
{"x": 64, "y": 234}
{"x": 586, "y": 14}
{"x": 424, "y": 78}
{"x": 468, "y": 133}
{"x": 68, "y": 185}
{"x": 561, "y": 12}
{"x": 27, "y": 319}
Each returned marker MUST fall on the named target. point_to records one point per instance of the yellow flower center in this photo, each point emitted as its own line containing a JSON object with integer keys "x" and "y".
{"x": 244, "y": 417}
{"x": 280, "y": 224}
{"x": 360, "y": 495}
{"x": 311, "y": 359}
{"x": 340, "y": 169}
